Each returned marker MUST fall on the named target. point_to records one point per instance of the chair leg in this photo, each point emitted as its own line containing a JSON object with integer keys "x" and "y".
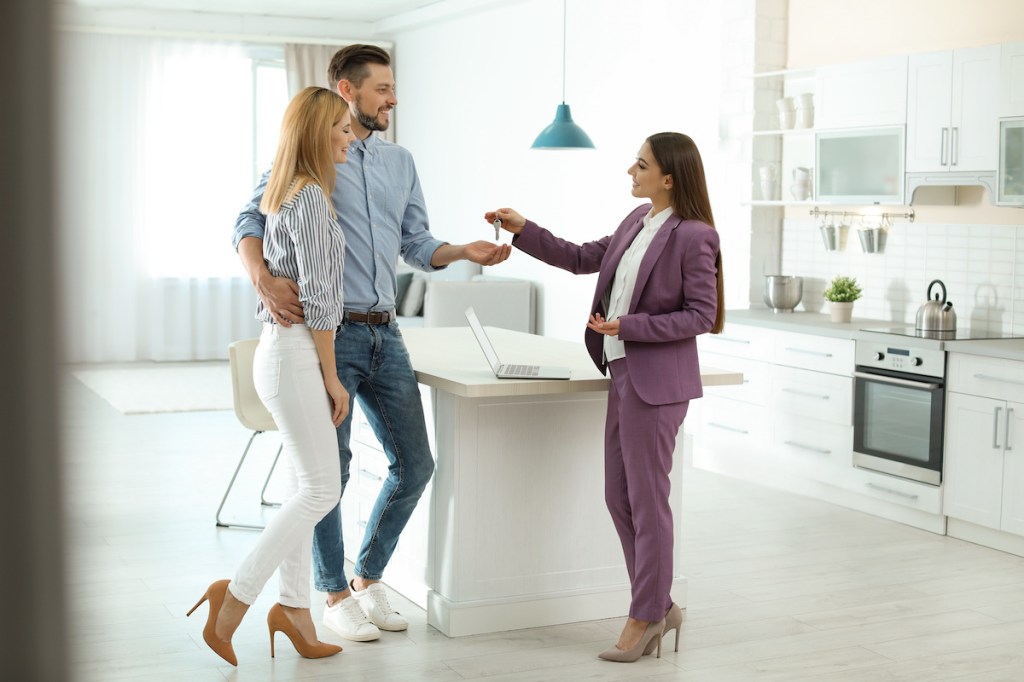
{"x": 231, "y": 484}
{"x": 263, "y": 493}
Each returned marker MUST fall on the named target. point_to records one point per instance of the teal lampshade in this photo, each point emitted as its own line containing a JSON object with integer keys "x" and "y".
{"x": 562, "y": 133}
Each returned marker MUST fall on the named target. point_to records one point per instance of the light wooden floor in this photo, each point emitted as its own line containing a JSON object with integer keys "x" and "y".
{"x": 781, "y": 587}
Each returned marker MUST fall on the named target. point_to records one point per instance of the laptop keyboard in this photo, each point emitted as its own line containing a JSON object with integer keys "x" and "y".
{"x": 520, "y": 370}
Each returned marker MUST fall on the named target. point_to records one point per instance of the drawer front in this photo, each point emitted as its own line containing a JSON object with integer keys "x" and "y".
{"x": 900, "y": 491}
{"x": 756, "y": 378}
{"x": 988, "y": 377}
{"x": 731, "y": 424}
{"x": 742, "y": 341}
{"x": 813, "y": 448}
{"x": 818, "y": 353}
{"x": 818, "y": 395}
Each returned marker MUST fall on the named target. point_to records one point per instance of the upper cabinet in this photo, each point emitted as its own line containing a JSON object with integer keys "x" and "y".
{"x": 865, "y": 93}
{"x": 952, "y": 110}
{"x": 1011, "y": 98}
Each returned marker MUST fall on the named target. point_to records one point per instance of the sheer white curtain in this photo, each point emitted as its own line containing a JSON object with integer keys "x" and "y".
{"x": 307, "y": 65}
{"x": 155, "y": 155}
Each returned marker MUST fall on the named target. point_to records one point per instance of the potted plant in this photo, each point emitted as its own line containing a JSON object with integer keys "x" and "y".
{"x": 841, "y": 294}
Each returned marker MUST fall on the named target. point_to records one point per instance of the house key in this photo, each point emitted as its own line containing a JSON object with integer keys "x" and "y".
{"x": 497, "y": 229}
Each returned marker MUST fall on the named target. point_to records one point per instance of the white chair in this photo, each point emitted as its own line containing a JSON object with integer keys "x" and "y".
{"x": 252, "y": 414}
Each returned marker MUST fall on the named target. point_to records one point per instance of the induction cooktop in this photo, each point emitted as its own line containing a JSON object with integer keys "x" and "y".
{"x": 958, "y": 335}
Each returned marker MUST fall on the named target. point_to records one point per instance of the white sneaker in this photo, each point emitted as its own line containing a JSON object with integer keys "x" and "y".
{"x": 346, "y": 619}
{"x": 374, "y": 603}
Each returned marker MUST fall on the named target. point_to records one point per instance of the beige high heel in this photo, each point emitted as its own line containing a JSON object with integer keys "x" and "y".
{"x": 673, "y": 621}
{"x": 215, "y": 593}
{"x": 277, "y": 621}
{"x": 652, "y": 635}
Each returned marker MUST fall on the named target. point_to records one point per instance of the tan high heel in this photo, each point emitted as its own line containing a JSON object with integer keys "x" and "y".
{"x": 277, "y": 621}
{"x": 215, "y": 593}
{"x": 652, "y": 634}
{"x": 673, "y": 621}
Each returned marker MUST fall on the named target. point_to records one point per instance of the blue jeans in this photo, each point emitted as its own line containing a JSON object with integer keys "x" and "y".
{"x": 373, "y": 365}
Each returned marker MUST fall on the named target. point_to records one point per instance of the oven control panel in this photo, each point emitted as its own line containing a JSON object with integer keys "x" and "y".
{"x": 879, "y": 355}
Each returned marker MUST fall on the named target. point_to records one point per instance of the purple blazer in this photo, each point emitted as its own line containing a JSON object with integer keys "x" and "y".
{"x": 675, "y": 299}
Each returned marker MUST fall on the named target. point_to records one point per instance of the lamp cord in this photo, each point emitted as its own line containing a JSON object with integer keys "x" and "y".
{"x": 563, "y": 49}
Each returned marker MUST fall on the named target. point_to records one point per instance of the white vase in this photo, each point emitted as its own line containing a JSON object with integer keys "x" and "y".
{"x": 841, "y": 311}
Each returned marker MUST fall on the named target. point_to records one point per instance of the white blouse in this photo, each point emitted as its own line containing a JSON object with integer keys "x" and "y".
{"x": 625, "y": 279}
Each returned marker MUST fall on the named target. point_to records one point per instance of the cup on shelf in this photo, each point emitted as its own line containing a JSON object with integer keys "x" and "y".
{"x": 804, "y": 118}
{"x": 787, "y": 112}
{"x": 804, "y": 110}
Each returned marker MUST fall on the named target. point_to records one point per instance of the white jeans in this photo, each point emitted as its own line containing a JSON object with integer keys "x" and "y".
{"x": 286, "y": 371}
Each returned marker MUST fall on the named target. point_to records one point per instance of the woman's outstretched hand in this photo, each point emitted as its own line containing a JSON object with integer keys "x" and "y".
{"x": 511, "y": 221}
{"x": 602, "y": 326}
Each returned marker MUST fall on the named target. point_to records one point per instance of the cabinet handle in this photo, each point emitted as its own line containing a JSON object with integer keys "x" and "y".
{"x": 805, "y": 394}
{"x": 900, "y": 493}
{"x": 991, "y": 377}
{"x": 809, "y": 448}
{"x": 809, "y": 352}
{"x": 1006, "y": 436}
{"x": 954, "y": 144}
{"x": 942, "y": 159}
{"x": 728, "y": 428}
{"x": 995, "y": 427}
{"x": 896, "y": 382}
{"x": 732, "y": 340}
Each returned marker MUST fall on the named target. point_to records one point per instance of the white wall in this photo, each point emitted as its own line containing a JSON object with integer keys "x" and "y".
{"x": 474, "y": 92}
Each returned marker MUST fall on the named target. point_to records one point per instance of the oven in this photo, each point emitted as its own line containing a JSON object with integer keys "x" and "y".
{"x": 898, "y": 409}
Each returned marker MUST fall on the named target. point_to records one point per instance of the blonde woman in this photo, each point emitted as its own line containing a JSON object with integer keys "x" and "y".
{"x": 295, "y": 373}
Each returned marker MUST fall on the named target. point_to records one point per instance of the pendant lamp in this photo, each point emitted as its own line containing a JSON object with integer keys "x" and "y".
{"x": 563, "y": 133}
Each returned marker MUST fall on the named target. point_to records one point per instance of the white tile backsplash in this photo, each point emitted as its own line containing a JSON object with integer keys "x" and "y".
{"x": 982, "y": 267}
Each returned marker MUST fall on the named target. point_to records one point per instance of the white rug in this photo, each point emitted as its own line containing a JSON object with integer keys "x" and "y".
{"x": 176, "y": 388}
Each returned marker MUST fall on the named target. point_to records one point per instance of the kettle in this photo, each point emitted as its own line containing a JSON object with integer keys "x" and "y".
{"x": 936, "y": 315}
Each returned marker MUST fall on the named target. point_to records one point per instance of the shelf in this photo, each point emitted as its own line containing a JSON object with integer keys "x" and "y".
{"x": 784, "y": 131}
{"x": 786, "y": 73}
{"x": 758, "y": 202}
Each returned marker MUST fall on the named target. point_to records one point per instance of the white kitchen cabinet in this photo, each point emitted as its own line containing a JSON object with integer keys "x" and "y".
{"x": 860, "y": 165}
{"x": 790, "y": 420}
{"x": 984, "y": 461}
{"x": 952, "y": 110}
{"x": 860, "y": 94}
{"x": 1013, "y": 470}
{"x": 1011, "y": 79}
{"x": 973, "y": 465}
{"x": 1010, "y": 185}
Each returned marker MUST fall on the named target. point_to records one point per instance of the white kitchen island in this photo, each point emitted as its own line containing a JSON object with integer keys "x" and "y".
{"x": 516, "y": 531}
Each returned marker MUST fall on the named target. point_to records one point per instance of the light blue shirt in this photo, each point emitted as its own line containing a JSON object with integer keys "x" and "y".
{"x": 380, "y": 206}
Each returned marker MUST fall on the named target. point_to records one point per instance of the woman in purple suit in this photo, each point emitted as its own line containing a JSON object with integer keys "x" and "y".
{"x": 659, "y": 286}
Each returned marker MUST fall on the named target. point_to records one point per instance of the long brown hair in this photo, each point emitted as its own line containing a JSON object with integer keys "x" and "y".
{"x": 304, "y": 152}
{"x": 677, "y": 155}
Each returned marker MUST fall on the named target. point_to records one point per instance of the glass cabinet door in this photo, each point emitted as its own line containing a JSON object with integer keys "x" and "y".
{"x": 862, "y": 166}
{"x": 1011, "y": 162}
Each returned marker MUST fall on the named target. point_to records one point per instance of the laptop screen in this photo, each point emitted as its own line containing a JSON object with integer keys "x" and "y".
{"x": 481, "y": 337}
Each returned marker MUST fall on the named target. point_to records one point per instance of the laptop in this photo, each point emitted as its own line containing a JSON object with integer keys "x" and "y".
{"x": 503, "y": 371}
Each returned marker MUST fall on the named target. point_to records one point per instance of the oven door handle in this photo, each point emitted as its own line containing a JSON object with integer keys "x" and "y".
{"x": 898, "y": 382}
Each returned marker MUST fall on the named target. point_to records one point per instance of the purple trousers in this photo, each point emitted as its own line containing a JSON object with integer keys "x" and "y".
{"x": 638, "y": 446}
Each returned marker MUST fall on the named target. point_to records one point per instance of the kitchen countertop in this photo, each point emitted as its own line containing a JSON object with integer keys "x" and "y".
{"x": 822, "y": 325}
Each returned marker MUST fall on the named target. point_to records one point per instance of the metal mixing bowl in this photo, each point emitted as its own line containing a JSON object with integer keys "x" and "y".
{"x": 782, "y": 293}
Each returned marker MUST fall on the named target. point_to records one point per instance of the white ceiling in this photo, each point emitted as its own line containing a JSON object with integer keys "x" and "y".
{"x": 349, "y": 11}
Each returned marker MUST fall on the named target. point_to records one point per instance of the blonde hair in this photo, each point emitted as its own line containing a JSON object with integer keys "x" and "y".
{"x": 304, "y": 154}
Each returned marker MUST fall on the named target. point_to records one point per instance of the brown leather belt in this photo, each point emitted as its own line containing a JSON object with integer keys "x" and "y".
{"x": 371, "y": 317}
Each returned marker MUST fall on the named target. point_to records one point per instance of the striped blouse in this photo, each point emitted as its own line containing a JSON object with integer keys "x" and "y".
{"x": 305, "y": 244}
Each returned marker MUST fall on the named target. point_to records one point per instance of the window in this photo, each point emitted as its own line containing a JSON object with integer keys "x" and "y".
{"x": 211, "y": 124}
